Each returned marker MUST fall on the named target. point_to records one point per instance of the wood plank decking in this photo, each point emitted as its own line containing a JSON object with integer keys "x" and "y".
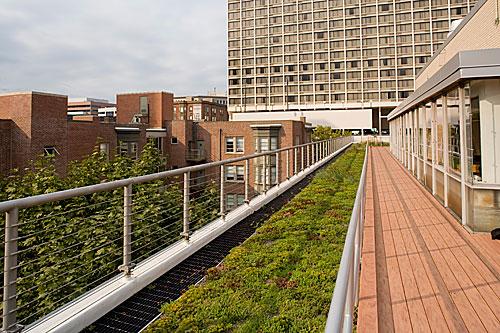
{"x": 421, "y": 270}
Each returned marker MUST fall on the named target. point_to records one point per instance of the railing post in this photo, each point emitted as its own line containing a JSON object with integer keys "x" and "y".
{"x": 264, "y": 182}
{"x": 308, "y": 155}
{"x": 9, "y": 323}
{"x": 301, "y": 158}
{"x": 287, "y": 164}
{"x": 185, "y": 218}
{"x": 295, "y": 161}
{"x": 126, "y": 267}
{"x": 247, "y": 181}
{"x": 313, "y": 153}
{"x": 222, "y": 202}
{"x": 278, "y": 164}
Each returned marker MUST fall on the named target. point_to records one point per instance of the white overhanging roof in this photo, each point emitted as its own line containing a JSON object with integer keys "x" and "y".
{"x": 476, "y": 64}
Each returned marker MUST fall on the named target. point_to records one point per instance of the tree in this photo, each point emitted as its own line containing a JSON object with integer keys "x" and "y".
{"x": 321, "y": 133}
{"x": 68, "y": 247}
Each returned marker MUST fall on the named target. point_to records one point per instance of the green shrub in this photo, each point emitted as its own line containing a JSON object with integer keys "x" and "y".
{"x": 68, "y": 247}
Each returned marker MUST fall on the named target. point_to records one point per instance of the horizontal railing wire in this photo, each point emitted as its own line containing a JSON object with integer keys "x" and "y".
{"x": 69, "y": 242}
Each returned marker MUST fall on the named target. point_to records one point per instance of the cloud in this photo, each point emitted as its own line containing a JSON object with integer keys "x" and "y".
{"x": 98, "y": 48}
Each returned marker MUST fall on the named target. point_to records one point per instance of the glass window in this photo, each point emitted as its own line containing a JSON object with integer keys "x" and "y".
{"x": 50, "y": 151}
{"x": 234, "y": 173}
{"x": 452, "y": 106}
{"x": 235, "y": 144}
{"x": 428, "y": 130}
{"x": 421, "y": 128}
{"x": 230, "y": 201}
{"x": 123, "y": 149}
{"x": 262, "y": 144}
{"x": 439, "y": 132}
{"x": 234, "y": 200}
{"x": 240, "y": 144}
{"x": 144, "y": 105}
{"x": 104, "y": 149}
{"x": 483, "y": 130}
{"x": 229, "y": 145}
{"x": 134, "y": 150}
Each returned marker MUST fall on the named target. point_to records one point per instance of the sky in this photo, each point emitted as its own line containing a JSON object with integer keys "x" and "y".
{"x": 98, "y": 48}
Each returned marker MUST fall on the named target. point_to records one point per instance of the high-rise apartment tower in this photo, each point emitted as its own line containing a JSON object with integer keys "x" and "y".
{"x": 345, "y": 63}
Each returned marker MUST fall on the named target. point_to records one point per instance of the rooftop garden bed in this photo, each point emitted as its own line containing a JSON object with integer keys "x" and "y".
{"x": 282, "y": 278}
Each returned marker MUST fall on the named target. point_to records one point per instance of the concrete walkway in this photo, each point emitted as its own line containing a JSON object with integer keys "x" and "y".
{"x": 421, "y": 270}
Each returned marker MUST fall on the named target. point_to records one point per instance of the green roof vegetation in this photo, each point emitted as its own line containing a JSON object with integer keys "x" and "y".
{"x": 282, "y": 278}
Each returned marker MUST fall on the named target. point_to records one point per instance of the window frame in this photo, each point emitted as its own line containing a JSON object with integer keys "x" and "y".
{"x": 238, "y": 144}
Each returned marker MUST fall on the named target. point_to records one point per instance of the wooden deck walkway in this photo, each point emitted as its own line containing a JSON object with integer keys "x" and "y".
{"x": 421, "y": 270}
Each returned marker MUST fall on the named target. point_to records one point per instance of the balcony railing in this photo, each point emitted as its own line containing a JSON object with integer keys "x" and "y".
{"x": 64, "y": 251}
{"x": 345, "y": 295}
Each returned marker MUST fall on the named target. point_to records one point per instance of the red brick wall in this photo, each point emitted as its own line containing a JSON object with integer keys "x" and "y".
{"x": 183, "y": 131}
{"x": 18, "y": 108}
{"x": 39, "y": 121}
{"x": 85, "y": 136}
{"x": 50, "y": 127}
{"x": 5, "y": 146}
{"x": 161, "y": 108}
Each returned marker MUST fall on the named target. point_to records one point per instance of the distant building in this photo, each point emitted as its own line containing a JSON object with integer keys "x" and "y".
{"x": 86, "y": 106}
{"x": 201, "y": 108}
{"x": 107, "y": 112}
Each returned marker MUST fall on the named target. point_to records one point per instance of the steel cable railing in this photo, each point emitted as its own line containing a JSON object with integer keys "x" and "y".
{"x": 345, "y": 295}
{"x": 60, "y": 245}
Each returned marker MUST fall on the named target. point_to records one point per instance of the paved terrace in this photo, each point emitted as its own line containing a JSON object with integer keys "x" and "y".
{"x": 421, "y": 270}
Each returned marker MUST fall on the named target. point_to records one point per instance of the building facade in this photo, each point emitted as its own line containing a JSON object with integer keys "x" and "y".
{"x": 33, "y": 124}
{"x": 201, "y": 108}
{"x": 87, "y": 106}
{"x": 447, "y": 132}
{"x": 332, "y": 55}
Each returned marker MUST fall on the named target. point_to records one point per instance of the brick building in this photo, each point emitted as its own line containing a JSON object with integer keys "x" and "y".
{"x": 201, "y": 142}
{"x": 141, "y": 116}
{"x": 33, "y": 124}
{"x": 201, "y": 108}
{"x": 87, "y": 133}
{"x": 38, "y": 125}
{"x": 5, "y": 146}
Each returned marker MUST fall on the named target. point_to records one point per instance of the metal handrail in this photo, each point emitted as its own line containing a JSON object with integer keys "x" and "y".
{"x": 307, "y": 155}
{"x": 113, "y": 185}
{"x": 345, "y": 295}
